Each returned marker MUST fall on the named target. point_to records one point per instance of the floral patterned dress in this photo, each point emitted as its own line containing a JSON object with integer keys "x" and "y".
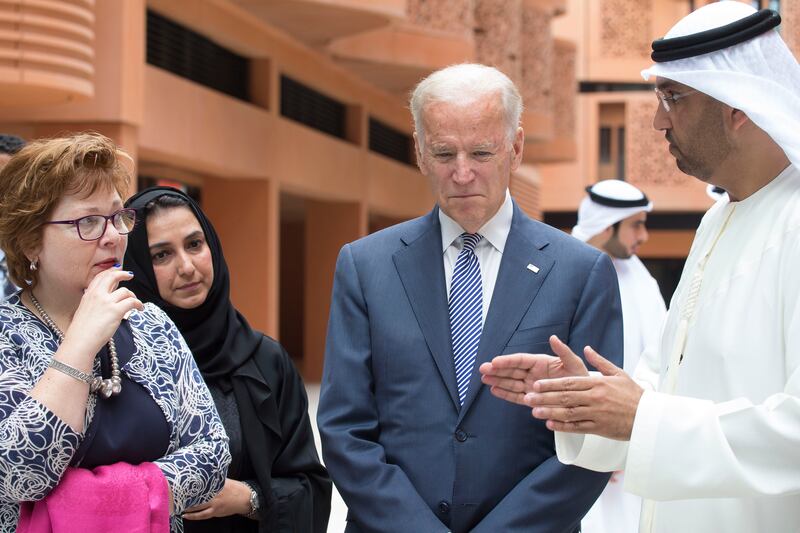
{"x": 36, "y": 446}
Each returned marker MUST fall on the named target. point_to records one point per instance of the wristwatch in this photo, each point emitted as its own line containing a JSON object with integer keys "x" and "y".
{"x": 253, "y": 501}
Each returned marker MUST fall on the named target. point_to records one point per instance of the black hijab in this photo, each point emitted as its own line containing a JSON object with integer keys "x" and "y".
{"x": 217, "y": 334}
{"x": 276, "y": 431}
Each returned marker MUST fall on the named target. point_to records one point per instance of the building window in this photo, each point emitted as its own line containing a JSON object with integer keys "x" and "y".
{"x": 621, "y": 153}
{"x": 611, "y": 149}
{"x": 186, "y": 53}
{"x": 307, "y": 106}
{"x": 605, "y": 144}
{"x": 389, "y": 142}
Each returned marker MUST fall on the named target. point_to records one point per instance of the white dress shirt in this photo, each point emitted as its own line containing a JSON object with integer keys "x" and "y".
{"x": 489, "y": 249}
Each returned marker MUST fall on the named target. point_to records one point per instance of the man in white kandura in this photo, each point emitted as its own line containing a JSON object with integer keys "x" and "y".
{"x": 709, "y": 431}
{"x": 612, "y": 218}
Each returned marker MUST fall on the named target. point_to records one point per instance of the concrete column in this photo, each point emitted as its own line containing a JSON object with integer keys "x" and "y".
{"x": 246, "y": 215}
{"x": 328, "y": 226}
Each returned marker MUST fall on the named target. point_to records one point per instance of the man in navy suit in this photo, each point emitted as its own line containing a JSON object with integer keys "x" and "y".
{"x": 412, "y": 439}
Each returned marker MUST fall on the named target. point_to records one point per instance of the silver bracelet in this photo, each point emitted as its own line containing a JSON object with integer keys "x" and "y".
{"x": 71, "y": 371}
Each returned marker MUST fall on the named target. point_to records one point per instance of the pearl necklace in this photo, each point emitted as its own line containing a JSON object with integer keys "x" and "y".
{"x": 106, "y": 387}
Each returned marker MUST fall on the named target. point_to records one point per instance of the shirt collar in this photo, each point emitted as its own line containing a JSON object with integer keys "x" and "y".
{"x": 495, "y": 231}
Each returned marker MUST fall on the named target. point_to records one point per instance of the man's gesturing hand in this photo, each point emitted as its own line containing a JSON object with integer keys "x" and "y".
{"x": 604, "y": 405}
{"x": 512, "y": 376}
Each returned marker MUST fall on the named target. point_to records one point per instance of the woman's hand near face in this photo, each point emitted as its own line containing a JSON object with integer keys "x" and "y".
{"x": 234, "y": 498}
{"x": 103, "y": 306}
{"x": 99, "y": 313}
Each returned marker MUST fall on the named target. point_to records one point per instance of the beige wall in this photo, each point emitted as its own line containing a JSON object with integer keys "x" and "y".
{"x": 265, "y": 178}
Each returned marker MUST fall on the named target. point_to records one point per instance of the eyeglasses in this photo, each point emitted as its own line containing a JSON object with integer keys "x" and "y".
{"x": 672, "y": 98}
{"x": 92, "y": 227}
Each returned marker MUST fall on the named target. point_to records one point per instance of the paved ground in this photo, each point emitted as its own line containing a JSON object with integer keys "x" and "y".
{"x": 338, "y": 508}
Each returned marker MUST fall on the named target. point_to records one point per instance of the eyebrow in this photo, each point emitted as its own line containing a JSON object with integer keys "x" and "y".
{"x": 670, "y": 85}
{"x": 485, "y": 146}
{"x": 159, "y": 245}
{"x": 439, "y": 147}
{"x": 94, "y": 210}
{"x": 192, "y": 235}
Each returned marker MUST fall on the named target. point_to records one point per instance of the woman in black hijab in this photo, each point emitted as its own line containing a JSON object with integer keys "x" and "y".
{"x": 275, "y": 480}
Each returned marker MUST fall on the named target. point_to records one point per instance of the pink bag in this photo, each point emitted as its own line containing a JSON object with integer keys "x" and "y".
{"x": 118, "y": 497}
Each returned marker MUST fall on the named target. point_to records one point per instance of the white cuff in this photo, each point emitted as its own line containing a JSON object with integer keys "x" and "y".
{"x": 591, "y": 451}
{"x": 643, "y": 440}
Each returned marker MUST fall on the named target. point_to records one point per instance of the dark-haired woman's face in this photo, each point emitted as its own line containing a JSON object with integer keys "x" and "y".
{"x": 181, "y": 257}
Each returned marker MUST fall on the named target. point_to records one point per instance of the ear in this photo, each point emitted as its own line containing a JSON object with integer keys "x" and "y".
{"x": 600, "y": 240}
{"x": 418, "y": 152}
{"x": 517, "y": 146}
{"x": 33, "y": 254}
{"x": 737, "y": 118}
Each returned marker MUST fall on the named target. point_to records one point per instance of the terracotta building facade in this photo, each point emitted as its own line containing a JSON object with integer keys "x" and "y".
{"x": 288, "y": 119}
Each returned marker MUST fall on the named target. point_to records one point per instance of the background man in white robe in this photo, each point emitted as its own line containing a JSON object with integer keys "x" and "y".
{"x": 709, "y": 430}
{"x": 612, "y": 218}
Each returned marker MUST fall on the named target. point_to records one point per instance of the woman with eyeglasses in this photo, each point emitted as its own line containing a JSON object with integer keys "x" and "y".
{"x": 105, "y": 421}
{"x": 276, "y": 482}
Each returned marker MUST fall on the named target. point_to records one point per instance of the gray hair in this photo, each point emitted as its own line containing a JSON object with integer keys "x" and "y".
{"x": 463, "y": 84}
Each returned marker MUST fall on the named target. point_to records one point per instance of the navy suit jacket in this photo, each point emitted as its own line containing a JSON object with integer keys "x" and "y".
{"x": 402, "y": 453}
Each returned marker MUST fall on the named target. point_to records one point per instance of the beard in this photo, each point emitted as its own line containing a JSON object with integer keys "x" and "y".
{"x": 690, "y": 162}
{"x": 616, "y": 249}
{"x": 704, "y": 145}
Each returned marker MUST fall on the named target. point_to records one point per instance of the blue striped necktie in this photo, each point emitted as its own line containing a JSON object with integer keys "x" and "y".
{"x": 466, "y": 311}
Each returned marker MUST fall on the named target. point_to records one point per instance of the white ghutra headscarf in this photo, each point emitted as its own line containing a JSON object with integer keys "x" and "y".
{"x": 608, "y": 202}
{"x": 759, "y": 76}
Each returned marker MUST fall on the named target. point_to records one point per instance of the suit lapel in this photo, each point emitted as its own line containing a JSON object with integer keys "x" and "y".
{"x": 421, "y": 271}
{"x": 514, "y": 291}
